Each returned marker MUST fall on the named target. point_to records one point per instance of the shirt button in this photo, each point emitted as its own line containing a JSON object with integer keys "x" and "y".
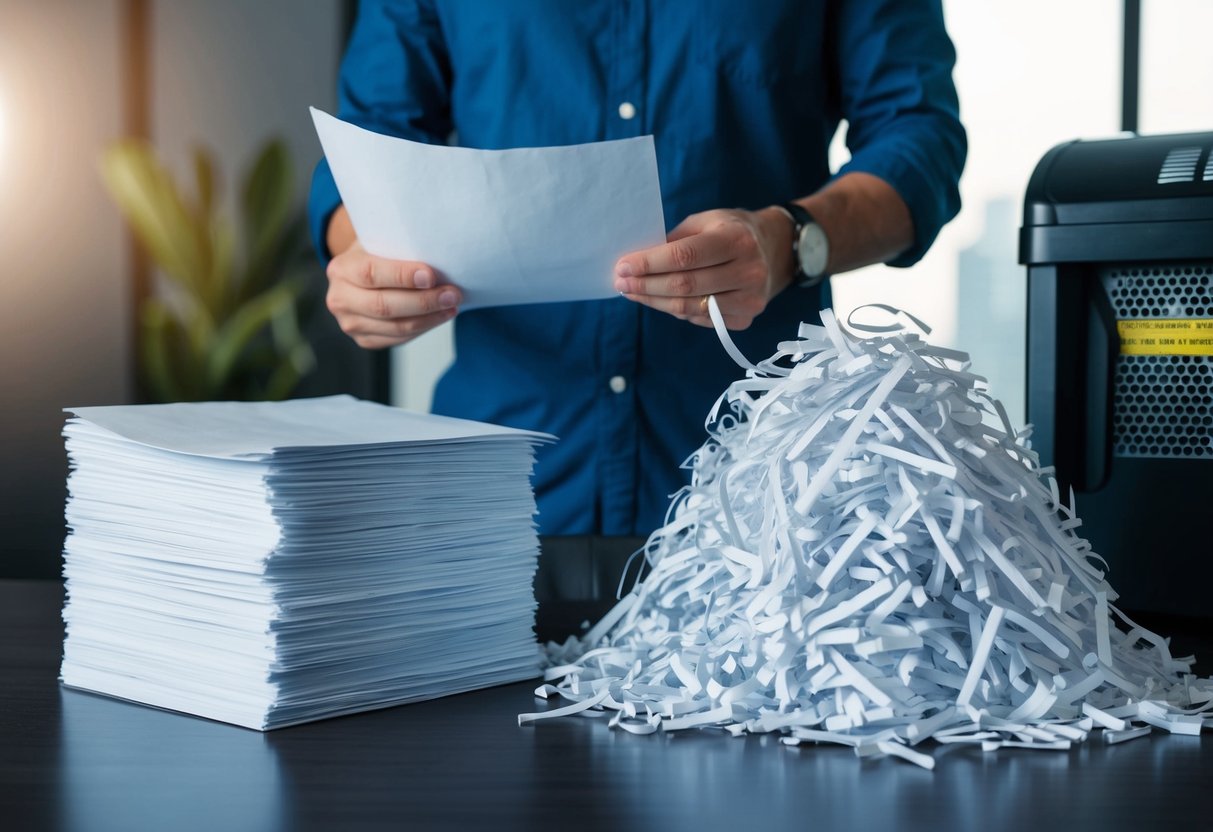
{"x": 627, "y": 110}
{"x": 618, "y": 384}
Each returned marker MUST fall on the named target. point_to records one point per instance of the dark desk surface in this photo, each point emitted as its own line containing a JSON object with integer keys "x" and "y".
{"x": 72, "y": 760}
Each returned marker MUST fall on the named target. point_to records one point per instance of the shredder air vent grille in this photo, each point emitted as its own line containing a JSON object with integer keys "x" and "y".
{"x": 1162, "y": 405}
{"x": 1161, "y": 291}
{"x": 1180, "y": 165}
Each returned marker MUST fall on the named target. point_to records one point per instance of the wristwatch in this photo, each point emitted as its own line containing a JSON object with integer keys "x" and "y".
{"x": 810, "y": 247}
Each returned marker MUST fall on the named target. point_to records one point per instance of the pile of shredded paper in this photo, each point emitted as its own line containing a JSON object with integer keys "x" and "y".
{"x": 869, "y": 554}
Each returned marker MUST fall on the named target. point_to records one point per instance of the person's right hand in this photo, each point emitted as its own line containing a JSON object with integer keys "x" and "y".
{"x": 380, "y": 302}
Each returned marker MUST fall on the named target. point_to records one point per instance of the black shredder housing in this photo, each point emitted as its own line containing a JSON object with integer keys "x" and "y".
{"x": 1117, "y": 238}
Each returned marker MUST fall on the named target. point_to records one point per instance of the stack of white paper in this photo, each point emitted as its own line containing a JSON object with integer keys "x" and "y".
{"x": 266, "y": 564}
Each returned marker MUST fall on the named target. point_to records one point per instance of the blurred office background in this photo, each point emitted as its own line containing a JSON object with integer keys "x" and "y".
{"x": 229, "y": 74}
{"x": 74, "y": 76}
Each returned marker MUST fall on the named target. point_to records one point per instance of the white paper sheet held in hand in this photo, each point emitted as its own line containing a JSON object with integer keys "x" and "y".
{"x": 525, "y": 225}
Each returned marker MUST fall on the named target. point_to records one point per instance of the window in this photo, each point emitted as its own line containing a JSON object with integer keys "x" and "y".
{"x": 1176, "y": 66}
{"x": 1030, "y": 75}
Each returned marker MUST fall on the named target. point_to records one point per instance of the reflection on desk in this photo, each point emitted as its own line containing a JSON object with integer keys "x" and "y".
{"x": 125, "y": 766}
{"x": 73, "y": 760}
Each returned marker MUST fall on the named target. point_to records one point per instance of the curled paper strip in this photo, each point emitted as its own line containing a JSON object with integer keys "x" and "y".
{"x": 881, "y": 328}
{"x": 869, "y": 554}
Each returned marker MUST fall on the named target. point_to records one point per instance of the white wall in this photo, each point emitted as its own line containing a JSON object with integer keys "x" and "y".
{"x": 227, "y": 73}
{"x": 1176, "y": 66}
{"x": 63, "y": 307}
{"x": 230, "y": 74}
{"x": 417, "y": 366}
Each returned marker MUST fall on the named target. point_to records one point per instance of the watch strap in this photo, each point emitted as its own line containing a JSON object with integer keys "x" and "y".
{"x": 800, "y": 218}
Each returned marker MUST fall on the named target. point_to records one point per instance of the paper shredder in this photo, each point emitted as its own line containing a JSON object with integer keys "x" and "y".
{"x": 1117, "y": 238}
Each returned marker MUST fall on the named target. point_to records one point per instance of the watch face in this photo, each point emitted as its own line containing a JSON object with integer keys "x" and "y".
{"x": 814, "y": 250}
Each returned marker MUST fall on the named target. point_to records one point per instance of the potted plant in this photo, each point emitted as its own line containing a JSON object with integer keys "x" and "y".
{"x": 224, "y": 322}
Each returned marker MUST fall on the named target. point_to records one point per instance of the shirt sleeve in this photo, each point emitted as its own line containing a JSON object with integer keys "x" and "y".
{"x": 395, "y": 79}
{"x": 894, "y": 63}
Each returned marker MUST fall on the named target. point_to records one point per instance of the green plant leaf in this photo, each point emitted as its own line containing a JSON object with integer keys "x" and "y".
{"x": 238, "y": 332}
{"x": 289, "y": 251}
{"x": 208, "y": 229}
{"x": 199, "y": 333}
{"x": 150, "y": 201}
{"x": 289, "y": 343}
{"x": 215, "y": 331}
{"x": 287, "y": 375}
{"x": 157, "y": 348}
{"x": 266, "y": 200}
{"x": 227, "y": 295}
{"x": 204, "y": 181}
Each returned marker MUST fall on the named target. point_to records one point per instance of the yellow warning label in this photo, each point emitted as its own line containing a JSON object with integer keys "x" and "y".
{"x": 1172, "y": 336}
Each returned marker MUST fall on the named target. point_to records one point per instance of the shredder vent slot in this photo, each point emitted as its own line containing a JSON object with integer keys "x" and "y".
{"x": 1180, "y": 165}
{"x": 1162, "y": 405}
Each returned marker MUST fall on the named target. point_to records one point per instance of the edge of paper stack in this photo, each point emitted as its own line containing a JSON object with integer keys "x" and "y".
{"x": 266, "y": 564}
{"x": 870, "y": 555}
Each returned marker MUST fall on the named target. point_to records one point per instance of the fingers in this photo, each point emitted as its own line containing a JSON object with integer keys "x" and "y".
{"x": 738, "y": 308}
{"x": 685, "y": 253}
{"x": 695, "y": 284}
{"x": 380, "y": 302}
{"x": 376, "y": 333}
{"x": 702, "y": 257}
{"x": 719, "y": 253}
{"x": 398, "y": 315}
{"x": 358, "y": 268}
{"x": 386, "y": 304}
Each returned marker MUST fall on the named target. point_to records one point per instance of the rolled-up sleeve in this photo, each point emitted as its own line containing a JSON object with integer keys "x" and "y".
{"x": 395, "y": 79}
{"x": 894, "y": 63}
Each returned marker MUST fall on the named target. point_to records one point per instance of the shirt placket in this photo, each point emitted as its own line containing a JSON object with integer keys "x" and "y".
{"x": 619, "y": 333}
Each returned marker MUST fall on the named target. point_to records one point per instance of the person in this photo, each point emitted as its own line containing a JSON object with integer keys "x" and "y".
{"x": 742, "y": 103}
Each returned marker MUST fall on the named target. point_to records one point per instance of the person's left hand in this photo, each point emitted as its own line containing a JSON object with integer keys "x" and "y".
{"x": 744, "y": 258}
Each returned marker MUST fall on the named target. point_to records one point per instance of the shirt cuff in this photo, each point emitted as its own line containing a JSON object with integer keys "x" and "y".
{"x": 322, "y": 202}
{"x": 931, "y": 195}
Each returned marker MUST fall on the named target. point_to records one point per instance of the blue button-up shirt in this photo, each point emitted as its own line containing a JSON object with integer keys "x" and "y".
{"x": 742, "y": 101}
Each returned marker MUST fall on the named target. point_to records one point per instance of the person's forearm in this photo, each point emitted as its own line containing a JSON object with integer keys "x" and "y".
{"x": 340, "y": 234}
{"x": 864, "y": 219}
